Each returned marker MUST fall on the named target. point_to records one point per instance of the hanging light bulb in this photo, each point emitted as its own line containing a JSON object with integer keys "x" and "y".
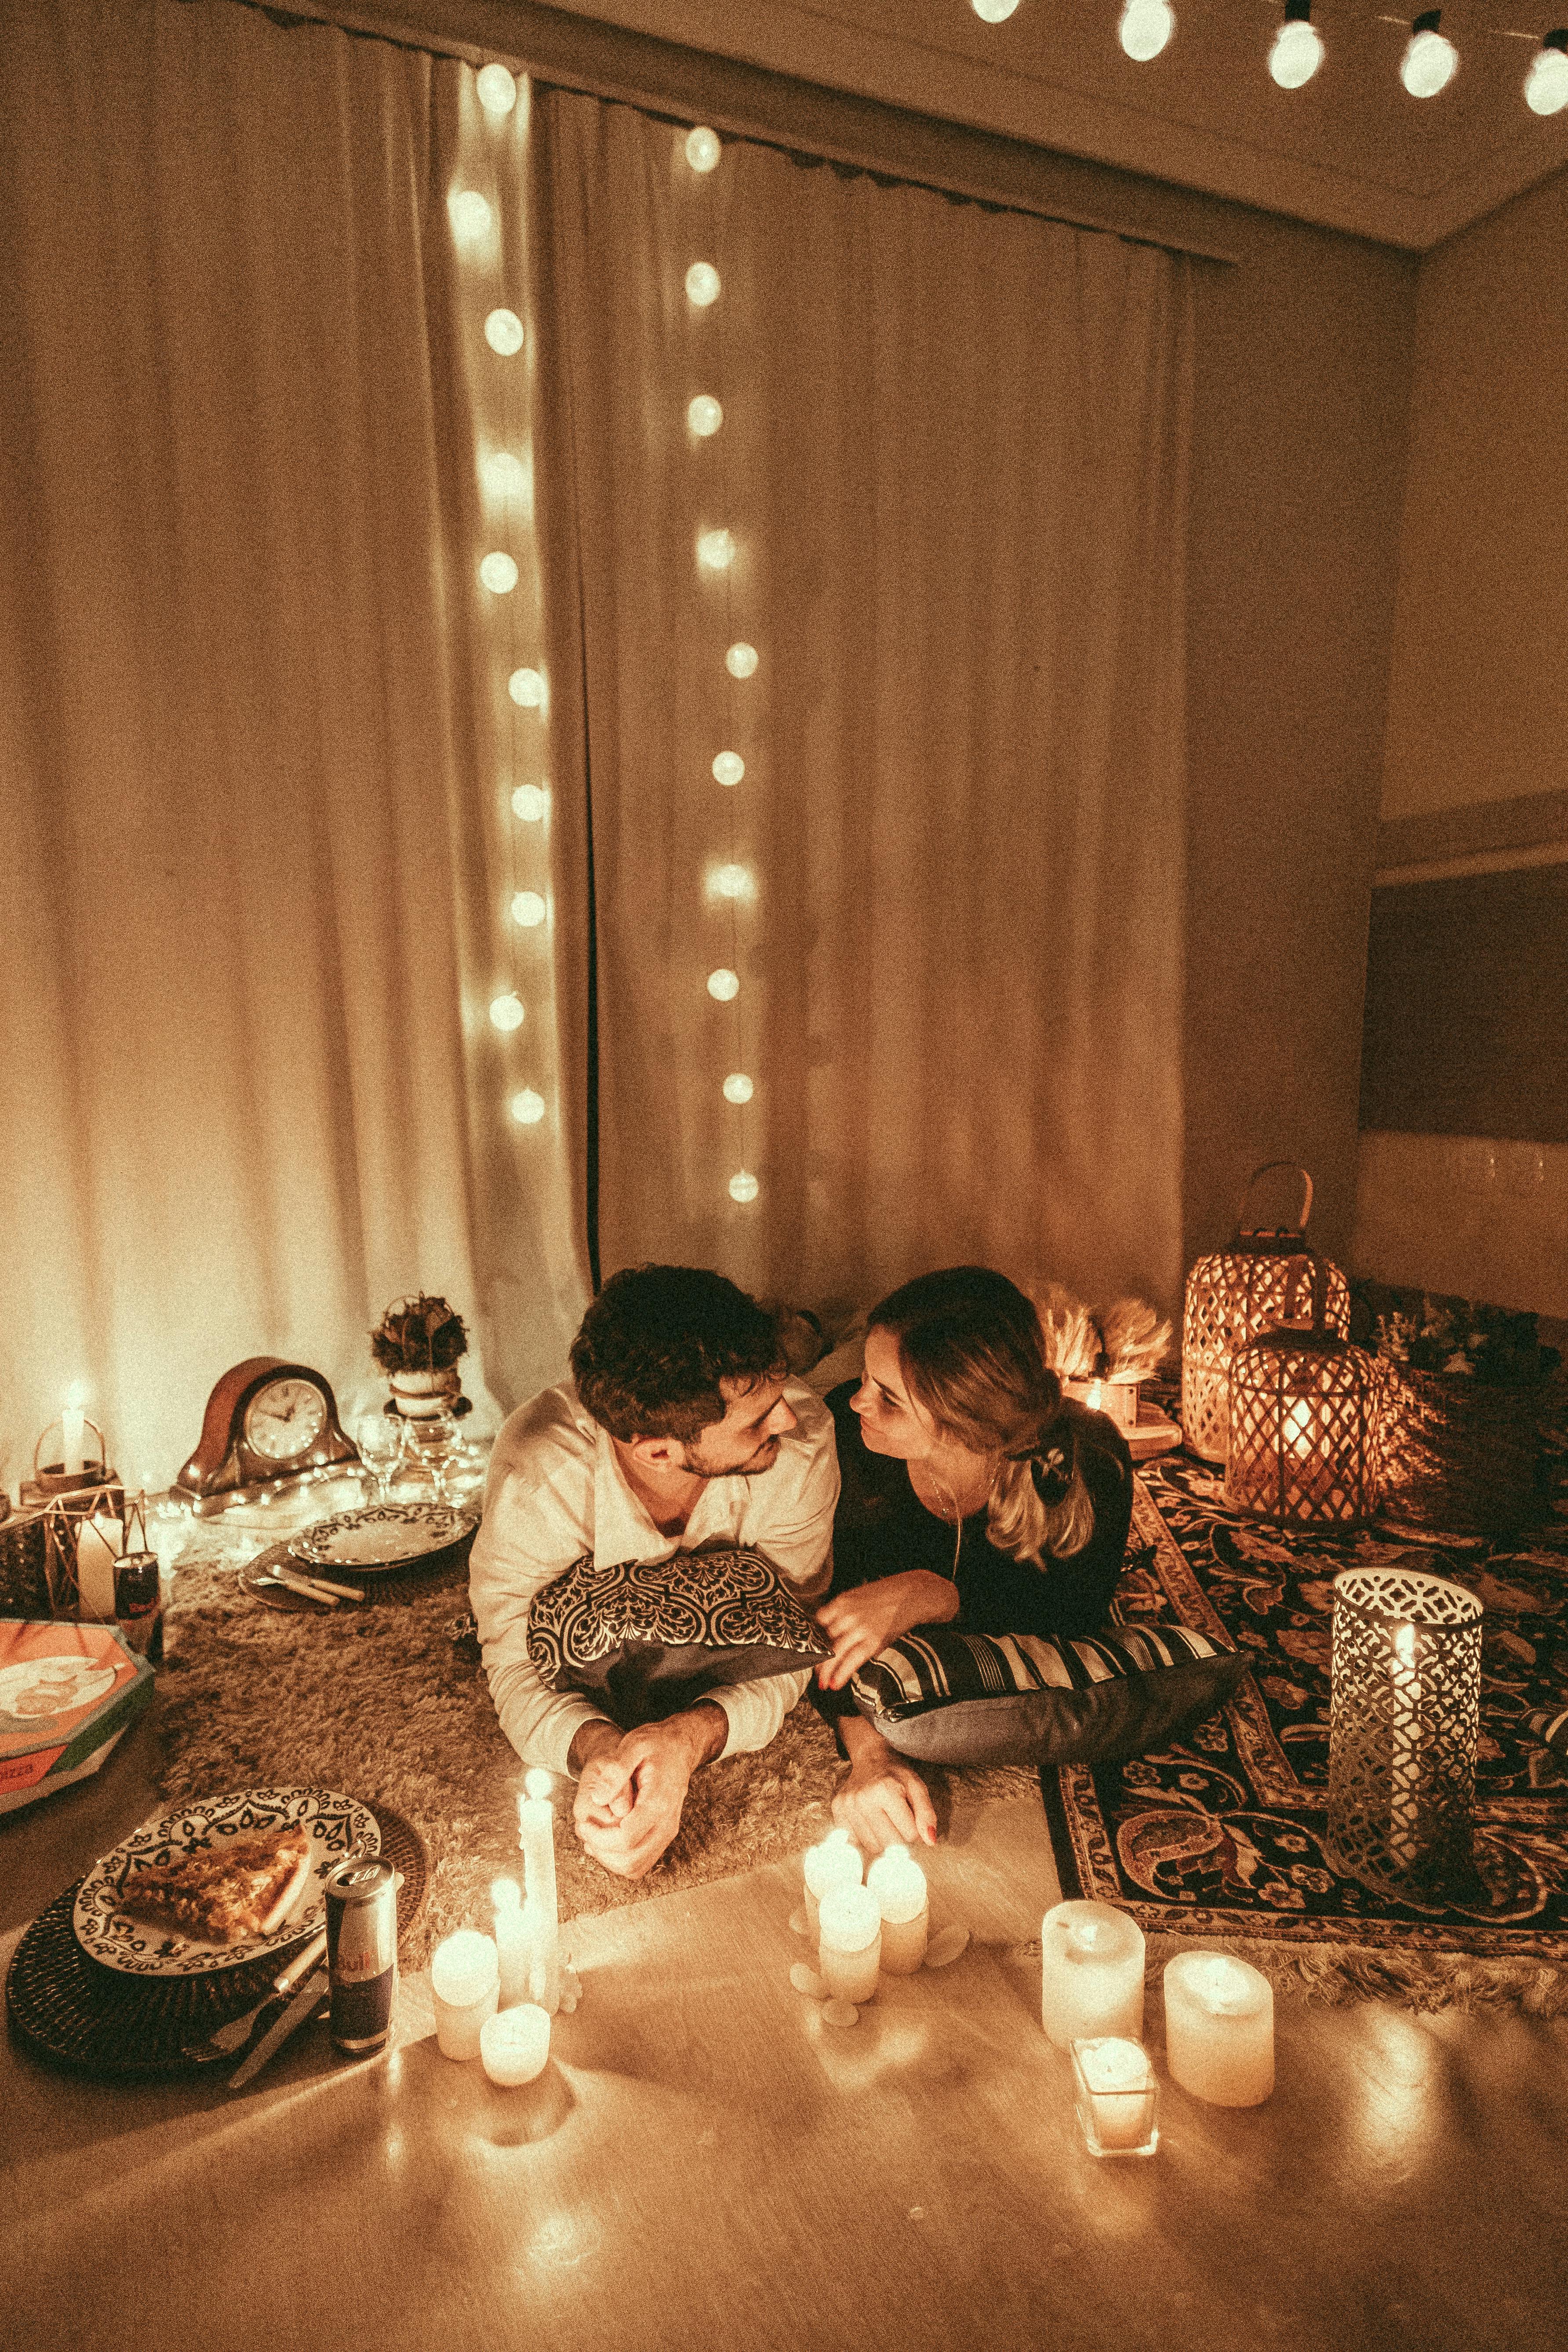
{"x": 526, "y": 688}
{"x": 504, "y": 475}
{"x": 1430, "y": 59}
{"x": 468, "y": 213}
{"x": 702, "y": 148}
{"x": 702, "y": 284}
{"x": 528, "y": 910}
{"x": 715, "y": 550}
{"x": 743, "y": 1185}
{"x": 1546, "y": 83}
{"x": 729, "y": 767}
{"x": 723, "y": 986}
{"x": 740, "y": 661}
{"x": 1146, "y": 28}
{"x": 738, "y": 1087}
{"x": 1298, "y": 50}
{"x": 507, "y": 1012}
{"x": 495, "y": 90}
{"x": 530, "y": 802}
{"x": 499, "y": 574}
{"x": 503, "y": 332}
{"x": 992, "y": 12}
{"x": 704, "y": 415}
{"x": 527, "y": 1107}
{"x": 731, "y": 882}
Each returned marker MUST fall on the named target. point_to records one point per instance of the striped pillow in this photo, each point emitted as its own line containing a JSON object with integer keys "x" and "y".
{"x": 1019, "y": 1698}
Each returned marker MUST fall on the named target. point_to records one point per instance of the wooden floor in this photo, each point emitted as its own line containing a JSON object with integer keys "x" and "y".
{"x": 706, "y": 2167}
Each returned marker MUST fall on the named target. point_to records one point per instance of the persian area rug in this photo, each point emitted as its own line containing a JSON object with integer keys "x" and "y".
{"x": 377, "y": 1702}
{"x": 1221, "y": 1836}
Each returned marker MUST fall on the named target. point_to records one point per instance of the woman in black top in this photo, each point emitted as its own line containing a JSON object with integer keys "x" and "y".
{"x": 974, "y": 1495}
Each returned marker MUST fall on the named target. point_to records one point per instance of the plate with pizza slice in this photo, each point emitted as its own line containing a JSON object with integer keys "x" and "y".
{"x": 220, "y": 1883}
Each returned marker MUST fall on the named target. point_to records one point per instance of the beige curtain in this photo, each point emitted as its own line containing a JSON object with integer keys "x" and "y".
{"x": 256, "y": 749}
{"x": 952, "y": 461}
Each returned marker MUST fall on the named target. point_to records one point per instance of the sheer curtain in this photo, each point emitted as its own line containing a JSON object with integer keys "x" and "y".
{"x": 948, "y": 446}
{"x": 257, "y": 746}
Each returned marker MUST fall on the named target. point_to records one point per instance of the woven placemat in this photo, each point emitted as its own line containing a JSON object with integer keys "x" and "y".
{"x": 96, "y": 2020}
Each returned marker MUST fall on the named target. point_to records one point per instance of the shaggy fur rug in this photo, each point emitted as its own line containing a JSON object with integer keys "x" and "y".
{"x": 377, "y": 1702}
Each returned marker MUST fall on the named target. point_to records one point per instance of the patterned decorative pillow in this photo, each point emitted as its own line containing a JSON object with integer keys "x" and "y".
{"x": 1018, "y": 1699}
{"x": 648, "y": 1638}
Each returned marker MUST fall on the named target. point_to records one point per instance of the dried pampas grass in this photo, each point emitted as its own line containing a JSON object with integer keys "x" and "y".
{"x": 1126, "y": 1340}
{"x": 1134, "y": 1340}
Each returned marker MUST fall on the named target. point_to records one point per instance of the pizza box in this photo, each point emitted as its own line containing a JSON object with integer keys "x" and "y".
{"x": 67, "y": 1693}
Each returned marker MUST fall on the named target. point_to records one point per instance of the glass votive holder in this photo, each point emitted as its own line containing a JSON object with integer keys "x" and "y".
{"x": 1117, "y": 2097}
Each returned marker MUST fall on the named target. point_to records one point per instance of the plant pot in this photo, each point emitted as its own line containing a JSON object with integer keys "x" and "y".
{"x": 422, "y": 1396}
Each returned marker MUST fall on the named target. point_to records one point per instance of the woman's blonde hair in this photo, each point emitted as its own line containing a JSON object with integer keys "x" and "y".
{"x": 970, "y": 1351}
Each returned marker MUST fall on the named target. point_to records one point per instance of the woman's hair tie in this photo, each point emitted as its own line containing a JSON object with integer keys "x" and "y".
{"x": 1050, "y": 1461}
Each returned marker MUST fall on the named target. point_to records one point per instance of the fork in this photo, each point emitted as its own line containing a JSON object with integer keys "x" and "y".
{"x": 226, "y": 2039}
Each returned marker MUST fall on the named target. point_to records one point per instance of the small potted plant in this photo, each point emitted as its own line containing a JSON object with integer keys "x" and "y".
{"x": 417, "y": 1344}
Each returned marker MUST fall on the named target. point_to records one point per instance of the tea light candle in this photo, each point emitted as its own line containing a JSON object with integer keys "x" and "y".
{"x": 898, "y": 1884}
{"x": 849, "y": 1946}
{"x": 541, "y": 1918}
{"x": 465, "y": 1982}
{"x": 1219, "y": 2029}
{"x": 515, "y": 2043}
{"x": 1116, "y": 2097}
{"x": 98, "y": 1544}
{"x": 1092, "y": 1973}
{"x": 513, "y": 1947}
{"x": 833, "y": 1864}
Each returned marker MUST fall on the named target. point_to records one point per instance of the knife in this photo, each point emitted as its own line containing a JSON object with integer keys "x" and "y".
{"x": 309, "y": 1997}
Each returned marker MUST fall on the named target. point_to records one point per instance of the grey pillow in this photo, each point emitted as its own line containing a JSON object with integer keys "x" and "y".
{"x": 1021, "y": 1698}
{"x": 648, "y": 1638}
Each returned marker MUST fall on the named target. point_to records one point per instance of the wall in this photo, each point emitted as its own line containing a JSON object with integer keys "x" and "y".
{"x": 1463, "y": 1174}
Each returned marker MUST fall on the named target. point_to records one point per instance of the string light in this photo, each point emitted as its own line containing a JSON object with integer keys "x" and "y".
{"x": 738, "y": 1087}
{"x": 723, "y": 986}
{"x": 702, "y": 284}
{"x": 702, "y": 148}
{"x": 495, "y": 90}
{"x": 499, "y": 574}
{"x": 1546, "y": 83}
{"x": 704, "y": 415}
{"x": 527, "y": 689}
{"x": 469, "y": 214}
{"x": 507, "y": 1012}
{"x": 715, "y": 550}
{"x": 1430, "y": 59}
{"x": 528, "y": 910}
{"x": 1146, "y": 28}
{"x": 531, "y": 803}
{"x": 740, "y": 661}
{"x": 527, "y": 1107}
{"x": 731, "y": 882}
{"x": 743, "y": 1185}
{"x": 504, "y": 475}
{"x": 729, "y": 767}
{"x": 1298, "y": 50}
{"x": 503, "y": 332}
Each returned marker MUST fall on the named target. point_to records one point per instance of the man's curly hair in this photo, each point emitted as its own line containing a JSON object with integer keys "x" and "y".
{"x": 657, "y": 1341}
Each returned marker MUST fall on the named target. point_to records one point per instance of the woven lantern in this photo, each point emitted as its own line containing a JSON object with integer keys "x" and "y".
{"x": 1233, "y": 1296}
{"x": 1305, "y": 1414}
{"x": 1403, "y": 1724}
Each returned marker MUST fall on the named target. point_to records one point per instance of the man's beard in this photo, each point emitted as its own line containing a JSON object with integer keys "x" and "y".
{"x": 751, "y": 1467}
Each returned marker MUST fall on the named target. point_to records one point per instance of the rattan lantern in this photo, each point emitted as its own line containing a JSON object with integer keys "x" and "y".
{"x": 1233, "y": 1296}
{"x": 1305, "y": 1412}
{"x": 1403, "y": 1721}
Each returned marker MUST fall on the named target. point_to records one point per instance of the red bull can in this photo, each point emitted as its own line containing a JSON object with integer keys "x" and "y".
{"x": 362, "y": 1953}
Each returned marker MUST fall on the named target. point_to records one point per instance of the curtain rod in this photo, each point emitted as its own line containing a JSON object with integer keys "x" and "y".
{"x": 569, "y": 52}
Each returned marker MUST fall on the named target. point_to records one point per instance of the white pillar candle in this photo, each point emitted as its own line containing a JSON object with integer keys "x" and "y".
{"x": 849, "y": 1945}
{"x": 542, "y": 1923}
{"x": 1092, "y": 1973}
{"x": 1405, "y": 1759}
{"x": 1219, "y": 2029}
{"x": 514, "y": 2044}
{"x": 833, "y": 1864}
{"x": 465, "y": 1982}
{"x": 898, "y": 1884}
{"x": 513, "y": 1947}
{"x": 1116, "y": 2102}
{"x": 73, "y": 1424}
{"x": 98, "y": 1544}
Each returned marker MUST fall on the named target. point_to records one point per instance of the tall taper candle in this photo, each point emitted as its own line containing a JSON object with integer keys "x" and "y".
{"x": 513, "y": 1949}
{"x": 73, "y": 1424}
{"x": 541, "y": 1917}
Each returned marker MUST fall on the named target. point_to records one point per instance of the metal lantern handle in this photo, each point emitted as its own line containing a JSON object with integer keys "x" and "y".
{"x": 1246, "y": 1232}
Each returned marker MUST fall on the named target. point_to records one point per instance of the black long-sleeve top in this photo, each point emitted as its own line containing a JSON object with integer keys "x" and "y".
{"x": 882, "y": 1528}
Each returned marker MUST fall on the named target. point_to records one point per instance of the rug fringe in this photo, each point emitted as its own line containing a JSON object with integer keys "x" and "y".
{"x": 1334, "y": 1975}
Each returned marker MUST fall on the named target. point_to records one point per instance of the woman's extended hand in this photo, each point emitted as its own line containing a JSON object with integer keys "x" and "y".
{"x": 884, "y": 1802}
{"x": 865, "y": 1620}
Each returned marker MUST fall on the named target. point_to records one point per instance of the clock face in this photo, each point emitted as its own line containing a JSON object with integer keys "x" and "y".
{"x": 284, "y": 1420}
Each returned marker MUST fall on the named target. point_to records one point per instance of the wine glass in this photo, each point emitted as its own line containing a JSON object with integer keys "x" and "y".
{"x": 379, "y": 1438}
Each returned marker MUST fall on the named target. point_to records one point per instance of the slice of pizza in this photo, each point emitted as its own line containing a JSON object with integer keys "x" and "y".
{"x": 245, "y": 1888}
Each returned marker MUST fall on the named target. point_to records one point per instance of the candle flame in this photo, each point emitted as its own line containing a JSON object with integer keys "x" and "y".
{"x": 537, "y": 1783}
{"x": 1405, "y": 1644}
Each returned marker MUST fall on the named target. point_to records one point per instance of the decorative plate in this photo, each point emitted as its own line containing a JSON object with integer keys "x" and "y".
{"x": 383, "y": 1535}
{"x": 140, "y": 1948}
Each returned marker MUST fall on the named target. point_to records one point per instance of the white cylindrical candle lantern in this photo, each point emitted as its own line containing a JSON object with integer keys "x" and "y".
{"x": 832, "y": 1865}
{"x": 514, "y": 2044}
{"x": 850, "y": 1943}
{"x": 1219, "y": 2029}
{"x": 1091, "y": 1974}
{"x": 513, "y": 1947}
{"x": 541, "y": 1918}
{"x": 465, "y": 1982}
{"x": 898, "y": 1884}
{"x": 1117, "y": 2097}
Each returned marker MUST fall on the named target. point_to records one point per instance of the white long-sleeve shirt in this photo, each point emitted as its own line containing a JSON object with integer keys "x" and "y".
{"x": 556, "y": 1491}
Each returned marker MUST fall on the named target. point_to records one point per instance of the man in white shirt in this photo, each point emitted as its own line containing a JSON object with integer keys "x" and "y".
{"x": 679, "y": 1433}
